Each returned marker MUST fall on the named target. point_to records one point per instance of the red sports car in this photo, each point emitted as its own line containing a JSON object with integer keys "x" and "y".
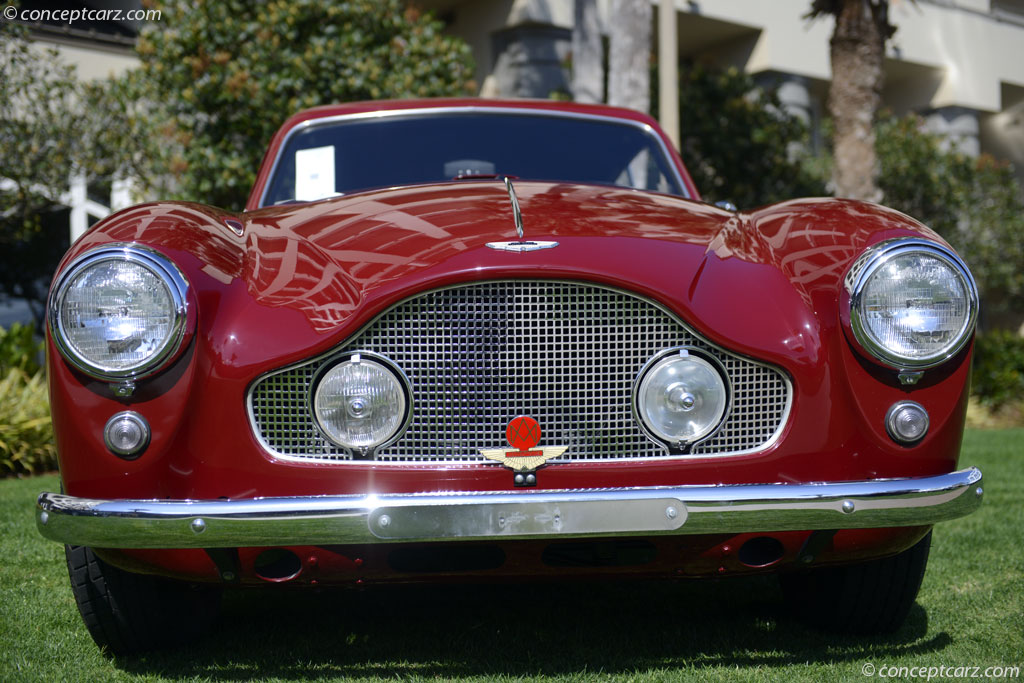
{"x": 458, "y": 339}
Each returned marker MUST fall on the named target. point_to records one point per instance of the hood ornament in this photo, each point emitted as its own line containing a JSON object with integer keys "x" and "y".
{"x": 516, "y": 213}
{"x": 517, "y": 216}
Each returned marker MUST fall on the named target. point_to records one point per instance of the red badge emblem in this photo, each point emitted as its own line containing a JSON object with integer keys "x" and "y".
{"x": 523, "y": 434}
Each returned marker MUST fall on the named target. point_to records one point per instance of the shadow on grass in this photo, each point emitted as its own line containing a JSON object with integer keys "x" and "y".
{"x": 517, "y": 630}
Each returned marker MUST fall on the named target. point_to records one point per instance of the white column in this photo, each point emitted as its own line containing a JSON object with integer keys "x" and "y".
{"x": 78, "y": 196}
{"x": 668, "y": 70}
{"x": 121, "y": 194}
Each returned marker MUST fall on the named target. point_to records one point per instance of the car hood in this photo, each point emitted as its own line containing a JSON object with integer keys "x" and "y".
{"x": 284, "y": 282}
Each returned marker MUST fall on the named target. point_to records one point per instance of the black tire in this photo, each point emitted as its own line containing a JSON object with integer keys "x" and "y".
{"x": 868, "y": 598}
{"x": 128, "y": 613}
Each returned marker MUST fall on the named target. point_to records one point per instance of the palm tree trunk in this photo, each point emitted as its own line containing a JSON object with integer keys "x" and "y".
{"x": 857, "y": 53}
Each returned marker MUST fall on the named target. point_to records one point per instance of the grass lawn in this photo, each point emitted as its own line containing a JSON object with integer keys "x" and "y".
{"x": 970, "y": 613}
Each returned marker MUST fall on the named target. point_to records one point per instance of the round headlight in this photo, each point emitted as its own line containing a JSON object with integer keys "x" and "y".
{"x": 913, "y": 303}
{"x": 119, "y": 312}
{"x": 681, "y": 398}
{"x": 361, "y": 403}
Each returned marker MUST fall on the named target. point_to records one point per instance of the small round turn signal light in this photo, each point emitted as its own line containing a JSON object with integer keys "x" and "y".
{"x": 907, "y": 422}
{"x": 126, "y": 434}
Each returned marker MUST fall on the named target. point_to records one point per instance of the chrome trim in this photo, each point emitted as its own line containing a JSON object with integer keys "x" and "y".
{"x": 356, "y": 338}
{"x": 523, "y": 514}
{"x": 470, "y": 109}
{"x": 876, "y": 257}
{"x": 161, "y": 266}
{"x": 517, "y": 215}
{"x": 520, "y": 247}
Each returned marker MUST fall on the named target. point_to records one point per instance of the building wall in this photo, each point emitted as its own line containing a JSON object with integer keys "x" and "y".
{"x": 91, "y": 62}
{"x": 960, "y": 63}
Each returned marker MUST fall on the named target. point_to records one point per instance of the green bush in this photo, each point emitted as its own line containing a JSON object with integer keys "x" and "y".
{"x": 739, "y": 142}
{"x": 998, "y": 368}
{"x": 26, "y": 432}
{"x": 975, "y": 203}
{"x": 19, "y": 349}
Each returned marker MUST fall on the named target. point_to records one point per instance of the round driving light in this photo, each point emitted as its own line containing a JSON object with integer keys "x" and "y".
{"x": 913, "y": 305}
{"x": 119, "y": 312}
{"x": 681, "y": 398}
{"x": 907, "y": 422}
{"x": 361, "y": 403}
{"x": 126, "y": 434}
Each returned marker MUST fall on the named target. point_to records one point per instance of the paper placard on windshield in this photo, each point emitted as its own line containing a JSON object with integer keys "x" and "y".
{"x": 314, "y": 173}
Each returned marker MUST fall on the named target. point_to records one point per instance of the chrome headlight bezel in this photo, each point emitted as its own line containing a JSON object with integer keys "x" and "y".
{"x": 369, "y": 357}
{"x": 639, "y": 413}
{"x": 877, "y": 257}
{"x": 160, "y": 266}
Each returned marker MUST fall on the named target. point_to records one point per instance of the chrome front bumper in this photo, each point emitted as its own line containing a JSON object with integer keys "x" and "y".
{"x": 321, "y": 520}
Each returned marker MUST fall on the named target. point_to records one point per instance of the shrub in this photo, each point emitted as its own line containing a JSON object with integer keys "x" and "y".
{"x": 975, "y": 203}
{"x": 19, "y": 349}
{"x": 26, "y": 433}
{"x": 998, "y": 368}
{"x": 739, "y": 142}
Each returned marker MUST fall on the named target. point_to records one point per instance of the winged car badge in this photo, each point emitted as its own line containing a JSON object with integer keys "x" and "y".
{"x": 523, "y": 434}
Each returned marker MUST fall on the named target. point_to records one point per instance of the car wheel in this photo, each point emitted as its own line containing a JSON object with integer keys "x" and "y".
{"x": 866, "y": 598}
{"x": 127, "y": 613}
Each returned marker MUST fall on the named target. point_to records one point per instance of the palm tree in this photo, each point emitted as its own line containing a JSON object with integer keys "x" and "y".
{"x": 857, "y": 53}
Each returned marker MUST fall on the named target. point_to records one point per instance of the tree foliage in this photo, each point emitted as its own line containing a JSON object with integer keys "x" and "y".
{"x": 739, "y": 143}
{"x": 229, "y": 73}
{"x": 975, "y": 203}
{"x": 41, "y": 133}
{"x": 40, "y": 126}
{"x": 51, "y": 127}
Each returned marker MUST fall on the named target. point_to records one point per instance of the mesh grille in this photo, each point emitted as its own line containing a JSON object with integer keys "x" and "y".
{"x": 563, "y": 353}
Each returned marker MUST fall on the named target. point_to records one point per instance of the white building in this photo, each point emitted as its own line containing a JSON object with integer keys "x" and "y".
{"x": 960, "y": 63}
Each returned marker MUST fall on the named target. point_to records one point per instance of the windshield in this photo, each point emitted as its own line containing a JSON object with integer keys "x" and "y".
{"x": 328, "y": 159}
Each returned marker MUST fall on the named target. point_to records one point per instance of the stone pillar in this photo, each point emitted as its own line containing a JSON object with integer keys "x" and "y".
{"x": 532, "y": 61}
{"x": 959, "y": 125}
{"x": 797, "y": 100}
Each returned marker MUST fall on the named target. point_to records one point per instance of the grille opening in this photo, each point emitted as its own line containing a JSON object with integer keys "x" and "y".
{"x": 476, "y": 356}
{"x": 277, "y": 565}
{"x": 625, "y": 553}
{"x": 446, "y": 559}
{"x": 760, "y": 552}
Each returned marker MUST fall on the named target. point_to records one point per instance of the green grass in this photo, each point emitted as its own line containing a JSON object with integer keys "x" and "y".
{"x": 970, "y": 613}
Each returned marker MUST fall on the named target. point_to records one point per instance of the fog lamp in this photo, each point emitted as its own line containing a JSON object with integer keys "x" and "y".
{"x": 907, "y": 422}
{"x": 362, "y": 403}
{"x": 680, "y": 398}
{"x": 126, "y": 434}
